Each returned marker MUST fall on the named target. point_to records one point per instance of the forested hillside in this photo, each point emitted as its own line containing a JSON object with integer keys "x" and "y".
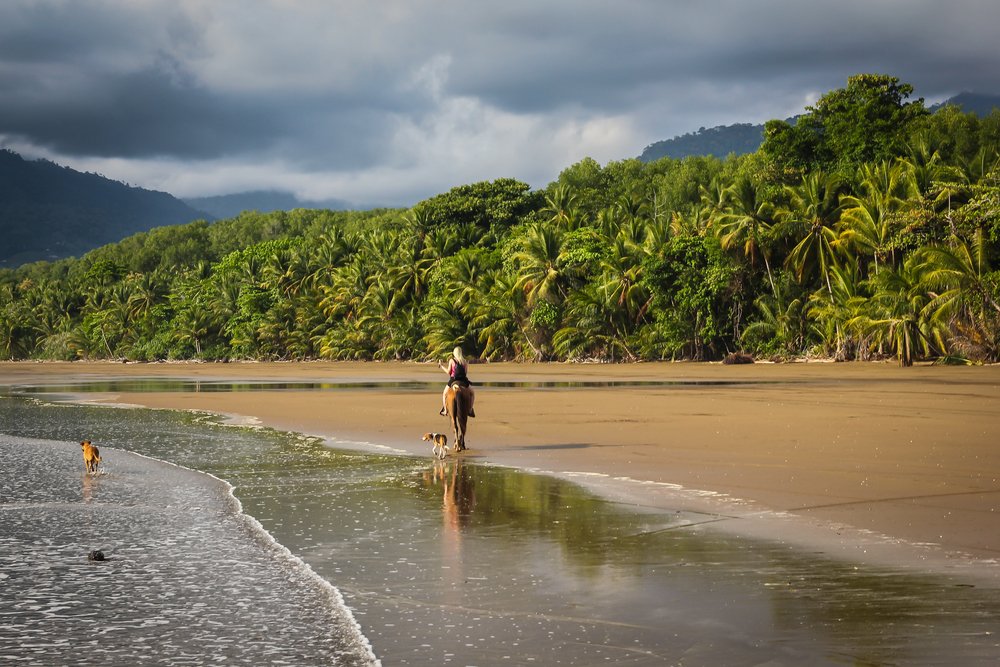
{"x": 868, "y": 229}
{"x": 48, "y": 211}
{"x": 720, "y": 141}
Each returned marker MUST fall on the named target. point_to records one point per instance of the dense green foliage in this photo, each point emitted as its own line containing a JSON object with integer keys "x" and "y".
{"x": 846, "y": 127}
{"x": 868, "y": 232}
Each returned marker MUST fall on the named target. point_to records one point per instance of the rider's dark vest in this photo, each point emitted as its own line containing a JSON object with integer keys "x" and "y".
{"x": 460, "y": 375}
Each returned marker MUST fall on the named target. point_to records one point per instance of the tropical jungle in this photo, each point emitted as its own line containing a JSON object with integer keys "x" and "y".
{"x": 866, "y": 228}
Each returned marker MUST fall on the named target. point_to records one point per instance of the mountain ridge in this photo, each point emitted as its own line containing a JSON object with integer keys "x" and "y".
{"x": 264, "y": 201}
{"x": 49, "y": 211}
{"x": 743, "y": 138}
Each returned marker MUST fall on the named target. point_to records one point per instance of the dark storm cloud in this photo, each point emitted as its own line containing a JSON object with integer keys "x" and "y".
{"x": 157, "y": 112}
{"x": 615, "y": 55}
{"x": 408, "y": 91}
{"x": 91, "y": 83}
{"x": 135, "y": 114}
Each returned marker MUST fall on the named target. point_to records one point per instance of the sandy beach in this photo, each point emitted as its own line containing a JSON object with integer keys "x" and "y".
{"x": 909, "y": 453}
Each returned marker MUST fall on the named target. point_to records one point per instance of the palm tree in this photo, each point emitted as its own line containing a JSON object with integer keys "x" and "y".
{"x": 348, "y": 286}
{"x": 540, "y": 273}
{"x": 442, "y": 242}
{"x": 52, "y": 314}
{"x": 609, "y": 220}
{"x": 831, "y": 311}
{"x": 869, "y": 223}
{"x": 743, "y": 220}
{"x": 411, "y": 275}
{"x": 562, "y": 207}
{"x": 332, "y": 249}
{"x": 960, "y": 281}
{"x": 622, "y": 282}
{"x": 780, "y": 323}
{"x": 589, "y": 329}
{"x": 632, "y": 207}
{"x": 501, "y": 317}
{"x": 925, "y": 167}
{"x": 191, "y": 327}
{"x": 377, "y": 317}
{"x": 695, "y": 222}
{"x": 15, "y": 324}
{"x": 658, "y": 232}
{"x": 420, "y": 223}
{"x": 713, "y": 196}
{"x": 444, "y": 327}
{"x": 810, "y": 219}
{"x": 633, "y": 233}
{"x": 894, "y": 316}
{"x": 463, "y": 276}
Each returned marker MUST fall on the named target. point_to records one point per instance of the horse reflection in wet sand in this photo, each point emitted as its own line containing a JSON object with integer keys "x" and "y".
{"x": 457, "y": 403}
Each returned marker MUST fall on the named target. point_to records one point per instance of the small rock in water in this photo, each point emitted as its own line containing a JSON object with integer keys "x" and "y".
{"x": 95, "y": 555}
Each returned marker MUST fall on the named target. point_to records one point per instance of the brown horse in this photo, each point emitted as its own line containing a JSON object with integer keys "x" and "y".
{"x": 457, "y": 403}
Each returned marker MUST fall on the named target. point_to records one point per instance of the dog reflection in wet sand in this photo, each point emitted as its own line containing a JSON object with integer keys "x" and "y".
{"x": 91, "y": 456}
{"x": 440, "y": 441}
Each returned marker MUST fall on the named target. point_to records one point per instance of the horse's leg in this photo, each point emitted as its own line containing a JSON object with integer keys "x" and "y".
{"x": 452, "y": 403}
{"x": 456, "y": 423}
{"x": 462, "y": 405}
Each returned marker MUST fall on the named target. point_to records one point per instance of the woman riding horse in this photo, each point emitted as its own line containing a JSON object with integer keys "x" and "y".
{"x": 458, "y": 373}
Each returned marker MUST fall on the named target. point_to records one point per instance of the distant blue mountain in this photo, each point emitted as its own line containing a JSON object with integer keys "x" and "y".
{"x": 719, "y": 141}
{"x": 981, "y": 105}
{"x": 48, "y": 211}
{"x": 744, "y": 138}
{"x": 264, "y": 201}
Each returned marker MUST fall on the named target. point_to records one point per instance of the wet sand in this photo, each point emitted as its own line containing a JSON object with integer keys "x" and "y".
{"x": 910, "y": 453}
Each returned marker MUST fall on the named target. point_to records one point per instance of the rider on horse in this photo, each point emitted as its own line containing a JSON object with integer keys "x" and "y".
{"x": 458, "y": 373}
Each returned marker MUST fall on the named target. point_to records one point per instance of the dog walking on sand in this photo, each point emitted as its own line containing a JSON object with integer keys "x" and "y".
{"x": 440, "y": 441}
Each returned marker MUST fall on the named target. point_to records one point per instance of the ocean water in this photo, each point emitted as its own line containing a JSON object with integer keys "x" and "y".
{"x": 274, "y": 548}
{"x": 187, "y": 579}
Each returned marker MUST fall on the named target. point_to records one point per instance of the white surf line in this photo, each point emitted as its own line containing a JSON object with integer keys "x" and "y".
{"x": 332, "y": 591}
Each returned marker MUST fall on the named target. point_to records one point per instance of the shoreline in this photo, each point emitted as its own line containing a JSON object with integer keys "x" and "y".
{"x": 851, "y": 452}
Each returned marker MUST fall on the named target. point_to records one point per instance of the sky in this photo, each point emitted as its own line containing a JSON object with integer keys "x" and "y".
{"x": 386, "y": 102}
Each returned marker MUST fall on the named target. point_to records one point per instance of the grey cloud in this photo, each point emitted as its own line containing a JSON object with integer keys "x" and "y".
{"x": 326, "y": 86}
{"x": 147, "y": 112}
{"x": 611, "y": 59}
{"x": 161, "y": 111}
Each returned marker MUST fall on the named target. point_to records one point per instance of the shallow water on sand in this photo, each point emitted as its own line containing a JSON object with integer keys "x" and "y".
{"x": 184, "y": 579}
{"x": 452, "y": 563}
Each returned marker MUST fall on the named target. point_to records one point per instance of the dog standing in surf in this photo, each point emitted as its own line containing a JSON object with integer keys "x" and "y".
{"x": 91, "y": 456}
